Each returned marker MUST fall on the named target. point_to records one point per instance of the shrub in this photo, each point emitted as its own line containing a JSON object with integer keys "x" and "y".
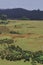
{"x": 2, "y": 57}
{"x": 8, "y": 41}
{"x": 13, "y": 32}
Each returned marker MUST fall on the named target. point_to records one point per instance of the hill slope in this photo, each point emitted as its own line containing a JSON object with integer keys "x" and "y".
{"x": 19, "y": 13}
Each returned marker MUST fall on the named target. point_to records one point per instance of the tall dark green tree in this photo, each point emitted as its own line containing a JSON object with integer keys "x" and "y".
{"x": 3, "y": 17}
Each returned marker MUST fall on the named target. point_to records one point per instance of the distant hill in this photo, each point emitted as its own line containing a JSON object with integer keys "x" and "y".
{"x": 19, "y": 13}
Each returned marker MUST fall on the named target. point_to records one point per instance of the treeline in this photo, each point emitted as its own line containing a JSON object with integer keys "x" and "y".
{"x": 20, "y": 13}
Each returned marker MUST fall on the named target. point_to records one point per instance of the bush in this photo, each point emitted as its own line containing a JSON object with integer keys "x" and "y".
{"x": 13, "y": 32}
{"x": 15, "y": 53}
{"x": 8, "y": 41}
{"x": 4, "y": 22}
{"x": 2, "y": 57}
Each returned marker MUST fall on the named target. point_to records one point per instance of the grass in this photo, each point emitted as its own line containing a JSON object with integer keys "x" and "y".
{"x": 31, "y": 37}
{"x": 4, "y": 62}
{"x": 27, "y": 26}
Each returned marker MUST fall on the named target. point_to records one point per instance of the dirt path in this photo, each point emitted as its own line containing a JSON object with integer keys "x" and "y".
{"x": 21, "y": 35}
{"x": 16, "y": 35}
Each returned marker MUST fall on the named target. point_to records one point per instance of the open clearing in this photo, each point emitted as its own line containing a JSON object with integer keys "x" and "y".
{"x": 28, "y": 35}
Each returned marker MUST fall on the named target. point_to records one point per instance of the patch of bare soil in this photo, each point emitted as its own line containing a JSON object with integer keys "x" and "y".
{"x": 17, "y": 35}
